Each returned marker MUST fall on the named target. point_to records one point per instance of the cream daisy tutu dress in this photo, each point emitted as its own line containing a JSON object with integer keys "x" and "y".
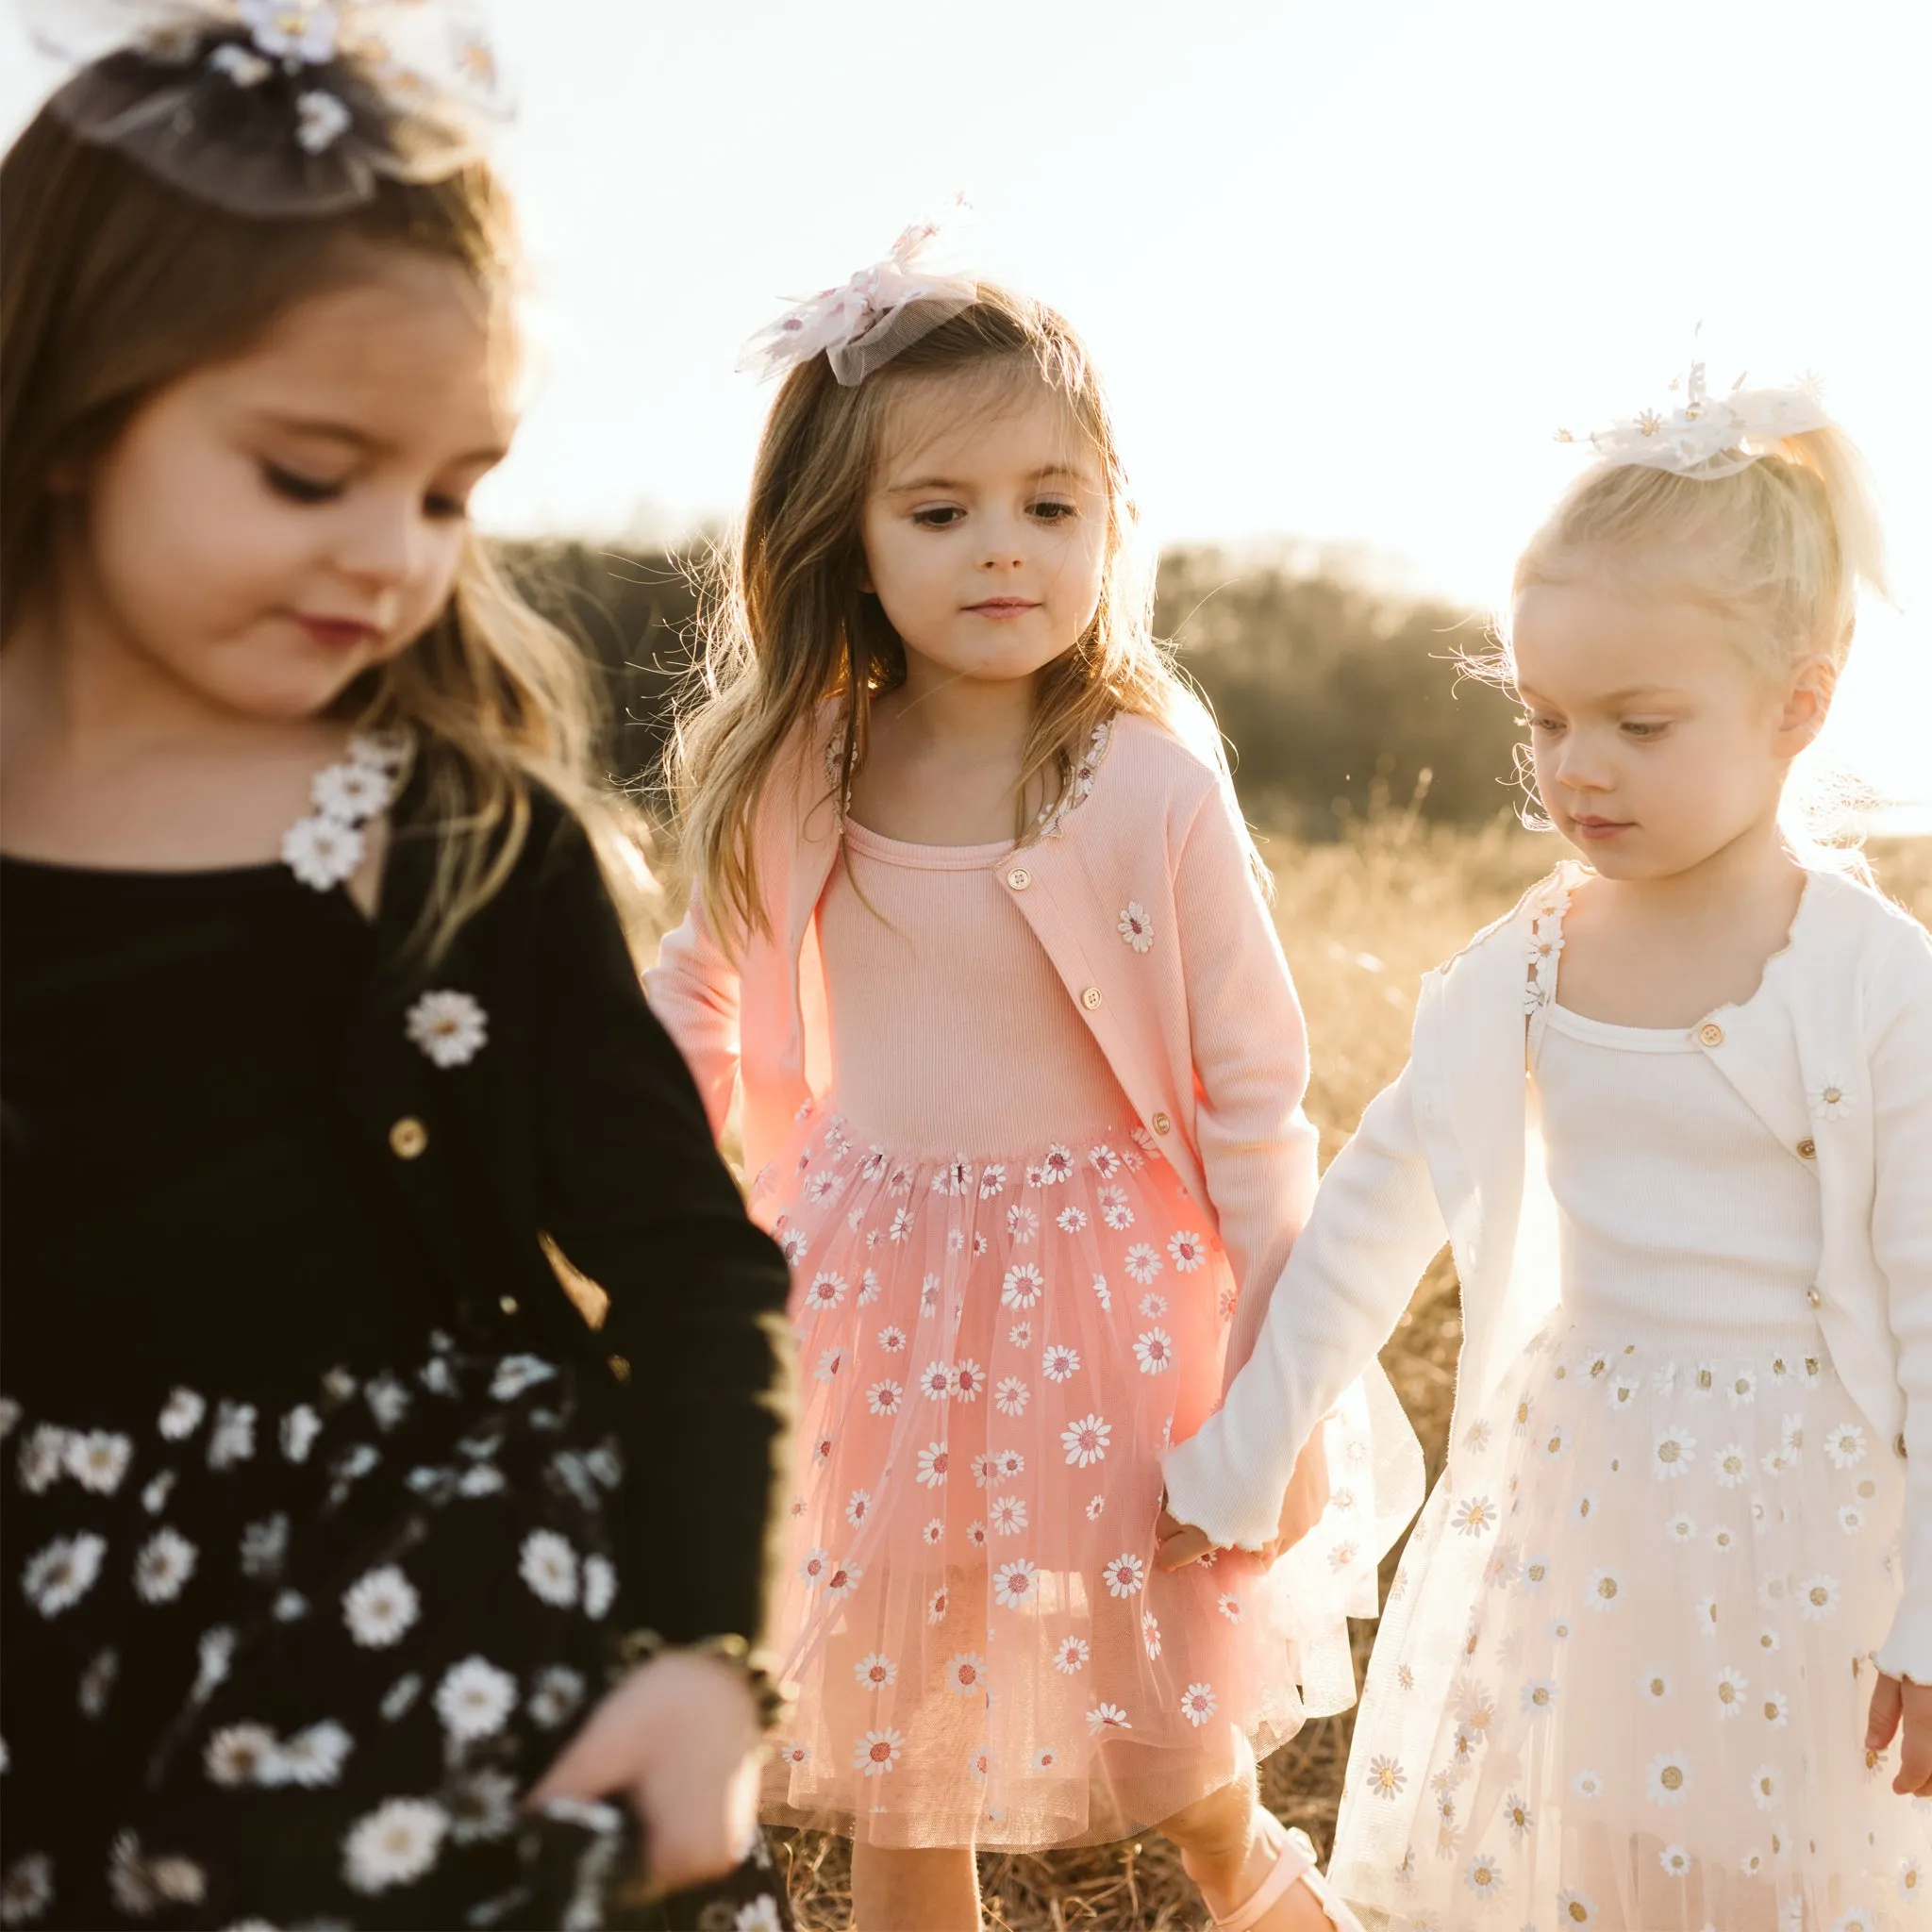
{"x": 1627, "y": 1685}
{"x": 1007, "y": 1304}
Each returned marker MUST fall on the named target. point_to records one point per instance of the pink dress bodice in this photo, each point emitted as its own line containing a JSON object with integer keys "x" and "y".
{"x": 951, "y": 1031}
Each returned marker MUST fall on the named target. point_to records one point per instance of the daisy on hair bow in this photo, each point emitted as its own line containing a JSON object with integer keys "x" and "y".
{"x": 277, "y": 108}
{"x": 867, "y": 321}
{"x": 1709, "y": 436}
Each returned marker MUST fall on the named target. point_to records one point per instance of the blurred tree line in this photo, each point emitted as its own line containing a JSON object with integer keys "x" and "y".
{"x": 1337, "y": 696}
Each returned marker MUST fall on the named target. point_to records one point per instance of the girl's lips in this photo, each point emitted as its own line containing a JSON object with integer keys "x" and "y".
{"x": 1600, "y": 828}
{"x": 1003, "y": 607}
{"x": 338, "y": 633}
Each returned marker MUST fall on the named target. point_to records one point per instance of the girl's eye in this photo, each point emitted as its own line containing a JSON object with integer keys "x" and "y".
{"x": 1638, "y": 727}
{"x": 1054, "y": 512}
{"x": 297, "y": 487}
{"x": 941, "y": 517}
{"x": 1530, "y": 720}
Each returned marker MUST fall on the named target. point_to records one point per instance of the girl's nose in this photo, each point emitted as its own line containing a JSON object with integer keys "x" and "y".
{"x": 383, "y": 546}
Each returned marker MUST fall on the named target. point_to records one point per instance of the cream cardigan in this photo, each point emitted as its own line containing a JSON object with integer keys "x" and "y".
{"x": 1845, "y": 1009}
{"x": 1202, "y": 1028}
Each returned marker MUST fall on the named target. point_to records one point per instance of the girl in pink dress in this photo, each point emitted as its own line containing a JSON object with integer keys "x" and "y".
{"x": 976, "y": 922}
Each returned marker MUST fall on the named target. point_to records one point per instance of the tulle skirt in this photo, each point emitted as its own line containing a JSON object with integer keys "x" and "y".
{"x": 1623, "y": 1677}
{"x": 996, "y": 1352}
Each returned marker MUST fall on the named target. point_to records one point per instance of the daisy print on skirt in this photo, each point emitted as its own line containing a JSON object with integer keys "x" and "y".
{"x": 1007, "y": 1667}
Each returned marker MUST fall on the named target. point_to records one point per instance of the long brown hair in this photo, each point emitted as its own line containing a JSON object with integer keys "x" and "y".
{"x": 115, "y": 284}
{"x": 793, "y": 627}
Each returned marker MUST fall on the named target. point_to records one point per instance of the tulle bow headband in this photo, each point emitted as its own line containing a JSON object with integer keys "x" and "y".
{"x": 1709, "y": 435}
{"x": 868, "y": 320}
{"x": 276, "y": 106}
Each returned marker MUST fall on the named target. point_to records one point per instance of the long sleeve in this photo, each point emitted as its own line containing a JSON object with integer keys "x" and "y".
{"x": 632, "y": 1189}
{"x": 1901, "y": 1060}
{"x": 1250, "y": 1048}
{"x": 693, "y": 990}
{"x": 1373, "y": 1231}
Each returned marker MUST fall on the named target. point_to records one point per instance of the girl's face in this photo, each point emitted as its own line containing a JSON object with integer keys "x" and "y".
{"x": 1657, "y": 743}
{"x": 267, "y": 529}
{"x": 986, "y": 531}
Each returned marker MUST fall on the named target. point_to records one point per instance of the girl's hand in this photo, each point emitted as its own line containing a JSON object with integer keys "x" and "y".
{"x": 1893, "y": 1700}
{"x": 679, "y": 1740}
{"x": 1178, "y": 1543}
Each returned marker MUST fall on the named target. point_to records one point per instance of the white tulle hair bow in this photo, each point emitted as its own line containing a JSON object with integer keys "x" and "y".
{"x": 277, "y": 107}
{"x": 868, "y": 320}
{"x": 1712, "y": 436}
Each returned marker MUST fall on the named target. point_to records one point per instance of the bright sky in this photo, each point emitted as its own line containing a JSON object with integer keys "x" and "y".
{"x": 1346, "y": 268}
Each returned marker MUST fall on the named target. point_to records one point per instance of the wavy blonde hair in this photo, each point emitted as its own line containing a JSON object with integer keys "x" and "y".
{"x": 1780, "y": 548}
{"x": 790, "y": 629}
{"x": 115, "y": 284}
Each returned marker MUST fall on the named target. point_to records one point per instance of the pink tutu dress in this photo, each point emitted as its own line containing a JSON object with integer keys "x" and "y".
{"x": 1007, "y": 1305}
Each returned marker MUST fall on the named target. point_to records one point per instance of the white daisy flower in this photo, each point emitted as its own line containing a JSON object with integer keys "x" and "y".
{"x": 1115, "y": 1211}
{"x": 1575, "y": 1908}
{"x": 1681, "y": 1528}
{"x": 1818, "y": 1596}
{"x": 556, "y": 1696}
{"x": 1143, "y": 1262}
{"x": 1023, "y": 1286}
{"x": 1071, "y": 1220}
{"x": 830, "y": 1361}
{"x": 1604, "y": 1591}
{"x": 932, "y": 1465}
{"x": 1086, "y": 1441}
{"x": 1198, "y": 1703}
{"x": 966, "y": 1674}
{"x": 892, "y": 1340}
{"x": 299, "y": 1429}
{"x": 1125, "y": 1574}
{"x": 1830, "y": 1100}
{"x": 475, "y": 1698}
{"x": 549, "y": 1565}
{"x": 816, "y": 1567}
{"x": 1742, "y": 1389}
{"x": 1765, "y": 1787}
{"x": 165, "y": 1563}
{"x": 1008, "y": 1515}
{"x": 311, "y": 1758}
{"x": 27, "y": 1890}
{"x": 449, "y": 1026}
{"x": 875, "y": 1671}
{"x": 1071, "y": 1656}
{"x": 322, "y": 852}
{"x": 351, "y": 793}
{"x": 1229, "y": 1606}
{"x": 933, "y": 1534}
{"x": 232, "y": 1439}
{"x": 181, "y": 1414}
{"x": 240, "y": 1755}
{"x": 877, "y": 1753}
{"x": 1058, "y": 1166}
{"x": 969, "y": 1380}
{"x": 1188, "y": 1251}
{"x": 760, "y": 1915}
{"x": 59, "y": 1574}
{"x": 1474, "y": 1516}
{"x": 1518, "y": 1817}
{"x": 1386, "y": 1778}
{"x": 1136, "y": 928}
{"x": 1060, "y": 1363}
{"x": 1484, "y": 1877}
{"x": 936, "y": 1381}
{"x": 1845, "y": 1445}
{"x": 936, "y": 1607}
{"x": 1668, "y": 1781}
{"x": 1103, "y": 1294}
{"x": 1011, "y": 1395}
{"x": 1539, "y": 1696}
{"x": 825, "y": 1292}
{"x": 1096, "y": 1507}
{"x": 394, "y": 1844}
{"x": 1153, "y": 1350}
{"x": 1675, "y": 1452}
{"x": 1150, "y": 1635}
{"x": 885, "y": 1397}
{"x": 1014, "y": 1584}
{"x": 843, "y": 1580}
{"x": 1675, "y": 1862}
{"x": 1022, "y": 1224}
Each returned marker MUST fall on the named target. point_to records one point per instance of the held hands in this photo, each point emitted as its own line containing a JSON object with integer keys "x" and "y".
{"x": 1896, "y": 1700}
{"x": 1180, "y": 1544}
{"x": 679, "y": 1740}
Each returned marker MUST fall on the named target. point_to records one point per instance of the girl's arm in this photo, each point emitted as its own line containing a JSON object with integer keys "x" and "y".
{"x": 633, "y": 1190}
{"x": 1251, "y": 1060}
{"x": 693, "y": 991}
{"x": 1901, "y": 1060}
{"x": 1374, "y": 1227}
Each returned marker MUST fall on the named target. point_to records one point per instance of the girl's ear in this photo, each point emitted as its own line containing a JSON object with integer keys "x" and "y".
{"x": 1806, "y": 705}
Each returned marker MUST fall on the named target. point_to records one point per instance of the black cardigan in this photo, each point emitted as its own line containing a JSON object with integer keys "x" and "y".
{"x": 579, "y": 1120}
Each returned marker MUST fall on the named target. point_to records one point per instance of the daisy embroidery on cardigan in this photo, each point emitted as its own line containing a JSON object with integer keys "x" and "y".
{"x": 451, "y": 1027}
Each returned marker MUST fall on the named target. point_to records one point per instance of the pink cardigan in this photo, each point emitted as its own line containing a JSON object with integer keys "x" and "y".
{"x": 1202, "y": 1028}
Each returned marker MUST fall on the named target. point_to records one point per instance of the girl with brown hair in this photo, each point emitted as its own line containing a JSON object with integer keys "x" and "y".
{"x": 337, "y": 1571}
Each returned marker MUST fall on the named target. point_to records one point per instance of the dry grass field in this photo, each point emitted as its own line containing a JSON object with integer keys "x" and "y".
{"x": 1362, "y": 921}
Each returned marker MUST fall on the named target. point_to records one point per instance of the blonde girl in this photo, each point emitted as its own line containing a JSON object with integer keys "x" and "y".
{"x": 335, "y": 1573}
{"x": 975, "y": 924}
{"x": 1657, "y": 1654}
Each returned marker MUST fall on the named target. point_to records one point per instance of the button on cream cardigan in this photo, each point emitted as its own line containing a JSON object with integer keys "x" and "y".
{"x": 1834, "y": 1054}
